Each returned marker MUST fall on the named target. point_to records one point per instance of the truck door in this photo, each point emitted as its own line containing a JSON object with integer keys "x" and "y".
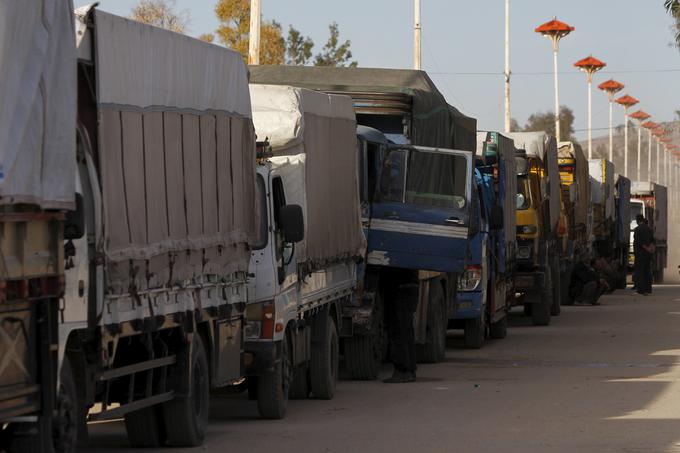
{"x": 421, "y": 212}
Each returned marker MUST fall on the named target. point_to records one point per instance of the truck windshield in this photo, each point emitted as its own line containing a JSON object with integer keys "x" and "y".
{"x": 523, "y": 200}
{"x": 635, "y": 209}
{"x": 424, "y": 178}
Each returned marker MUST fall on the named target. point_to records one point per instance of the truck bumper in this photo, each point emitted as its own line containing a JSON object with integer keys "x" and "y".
{"x": 468, "y": 305}
{"x": 259, "y": 356}
{"x": 530, "y": 282}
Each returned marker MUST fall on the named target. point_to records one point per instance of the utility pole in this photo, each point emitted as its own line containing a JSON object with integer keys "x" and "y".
{"x": 507, "y": 66}
{"x": 416, "y": 38}
{"x": 590, "y": 66}
{"x": 254, "y": 41}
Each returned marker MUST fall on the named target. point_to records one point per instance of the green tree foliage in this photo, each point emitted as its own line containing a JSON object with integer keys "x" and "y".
{"x": 673, "y": 8}
{"x": 335, "y": 53}
{"x": 298, "y": 48}
{"x": 234, "y": 17}
{"x": 514, "y": 125}
{"x": 545, "y": 121}
{"x": 161, "y": 13}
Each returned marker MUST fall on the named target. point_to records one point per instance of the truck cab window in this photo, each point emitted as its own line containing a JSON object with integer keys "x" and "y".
{"x": 262, "y": 214}
{"x": 393, "y": 177}
{"x": 436, "y": 179}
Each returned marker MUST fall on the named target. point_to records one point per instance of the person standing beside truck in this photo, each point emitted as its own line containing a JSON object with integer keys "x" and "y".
{"x": 400, "y": 310}
{"x": 643, "y": 246}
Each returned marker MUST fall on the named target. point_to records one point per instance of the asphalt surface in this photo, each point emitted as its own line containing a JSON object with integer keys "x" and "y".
{"x": 599, "y": 379}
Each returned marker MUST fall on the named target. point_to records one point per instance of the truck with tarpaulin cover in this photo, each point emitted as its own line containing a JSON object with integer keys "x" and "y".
{"x": 575, "y": 190}
{"x": 156, "y": 277}
{"x": 305, "y": 269}
{"x": 537, "y": 275}
{"x": 418, "y": 243}
{"x": 37, "y": 177}
{"x": 486, "y": 289}
{"x": 651, "y": 200}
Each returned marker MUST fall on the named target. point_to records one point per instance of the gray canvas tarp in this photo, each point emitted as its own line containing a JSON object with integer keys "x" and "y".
{"x": 176, "y": 153}
{"x": 435, "y": 122}
{"x": 37, "y": 103}
{"x": 544, "y": 146}
{"x": 313, "y": 136}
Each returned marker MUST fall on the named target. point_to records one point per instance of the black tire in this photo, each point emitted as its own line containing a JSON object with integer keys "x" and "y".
{"x": 323, "y": 369}
{"x": 658, "y": 277}
{"x": 434, "y": 349}
{"x": 540, "y": 314}
{"x": 273, "y": 387}
{"x": 565, "y": 284}
{"x": 186, "y": 418}
{"x": 475, "y": 332}
{"x": 556, "y": 284}
{"x": 145, "y": 427}
{"x": 363, "y": 356}
{"x": 299, "y": 388}
{"x": 58, "y": 435}
{"x": 499, "y": 329}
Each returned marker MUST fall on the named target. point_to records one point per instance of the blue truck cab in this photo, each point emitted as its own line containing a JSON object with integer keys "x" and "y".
{"x": 485, "y": 287}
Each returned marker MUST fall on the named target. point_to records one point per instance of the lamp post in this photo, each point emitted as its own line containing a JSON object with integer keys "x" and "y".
{"x": 665, "y": 141}
{"x": 639, "y": 116}
{"x": 611, "y": 87}
{"x": 590, "y": 66}
{"x": 416, "y": 37}
{"x": 627, "y": 102}
{"x": 650, "y": 125}
{"x": 555, "y": 30}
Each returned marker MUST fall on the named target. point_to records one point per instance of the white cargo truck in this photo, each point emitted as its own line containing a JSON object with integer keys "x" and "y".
{"x": 306, "y": 266}
{"x": 157, "y": 279}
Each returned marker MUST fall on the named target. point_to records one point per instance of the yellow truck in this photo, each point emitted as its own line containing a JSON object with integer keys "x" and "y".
{"x": 537, "y": 276}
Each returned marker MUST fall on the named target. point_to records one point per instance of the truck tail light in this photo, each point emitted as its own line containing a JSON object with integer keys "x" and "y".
{"x": 470, "y": 279}
{"x": 268, "y": 321}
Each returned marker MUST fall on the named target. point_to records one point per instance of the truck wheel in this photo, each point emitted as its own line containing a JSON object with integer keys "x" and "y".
{"x": 540, "y": 313}
{"x": 299, "y": 388}
{"x": 60, "y": 434}
{"x": 434, "y": 349}
{"x": 145, "y": 427}
{"x": 475, "y": 332}
{"x": 274, "y": 385}
{"x": 363, "y": 355}
{"x": 186, "y": 417}
{"x": 565, "y": 284}
{"x": 499, "y": 329}
{"x": 556, "y": 280}
{"x": 325, "y": 352}
{"x": 658, "y": 277}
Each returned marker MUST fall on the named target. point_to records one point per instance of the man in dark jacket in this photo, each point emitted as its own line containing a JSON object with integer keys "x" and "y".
{"x": 643, "y": 243}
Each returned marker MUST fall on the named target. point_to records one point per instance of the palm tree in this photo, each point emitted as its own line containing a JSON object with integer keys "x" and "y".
{"x": 673, "y": 8}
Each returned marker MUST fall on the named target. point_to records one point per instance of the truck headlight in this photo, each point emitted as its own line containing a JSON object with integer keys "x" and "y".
{"x": 524, "y": 252}
{"x": 470, "y": 279}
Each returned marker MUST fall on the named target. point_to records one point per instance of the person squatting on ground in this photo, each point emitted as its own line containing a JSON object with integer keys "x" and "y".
{"x": 586, "y": 286}
{"x": 643, "y": 247}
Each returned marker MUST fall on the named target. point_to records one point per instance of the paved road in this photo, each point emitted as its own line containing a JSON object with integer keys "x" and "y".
{"x": 599, "y": 379}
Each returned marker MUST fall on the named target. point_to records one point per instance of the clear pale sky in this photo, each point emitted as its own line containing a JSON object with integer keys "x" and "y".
{"x": 632, "y": 37}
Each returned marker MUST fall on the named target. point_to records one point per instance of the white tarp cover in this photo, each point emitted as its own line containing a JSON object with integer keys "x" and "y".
{"x": 176, "y": 155}
{"x": 544, "y": 146}
{"x": 146, "y": 66}
{"x": 37, "y": 103}
{"x": 313, "y": 136}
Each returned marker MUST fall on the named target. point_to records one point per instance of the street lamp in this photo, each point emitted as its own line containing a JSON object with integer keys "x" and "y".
{"x": 590, "y": 66}
{"x": 658, "y": 133}
{"x": 627, "y": 102}
{"x": 555, "y": 30}
{"x": 639, "y": 116}
{"x": 650, "y": 126}
{"x": 611, "y": 87}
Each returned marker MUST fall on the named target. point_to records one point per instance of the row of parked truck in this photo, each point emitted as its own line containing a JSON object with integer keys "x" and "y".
{"x": 174, "y": 223}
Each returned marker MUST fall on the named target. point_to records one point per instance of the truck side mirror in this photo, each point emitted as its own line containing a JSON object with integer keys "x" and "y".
{"x": 292, "y": 223}
{"x": 74, "y": 225}
{"x": 496, "y": 218}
